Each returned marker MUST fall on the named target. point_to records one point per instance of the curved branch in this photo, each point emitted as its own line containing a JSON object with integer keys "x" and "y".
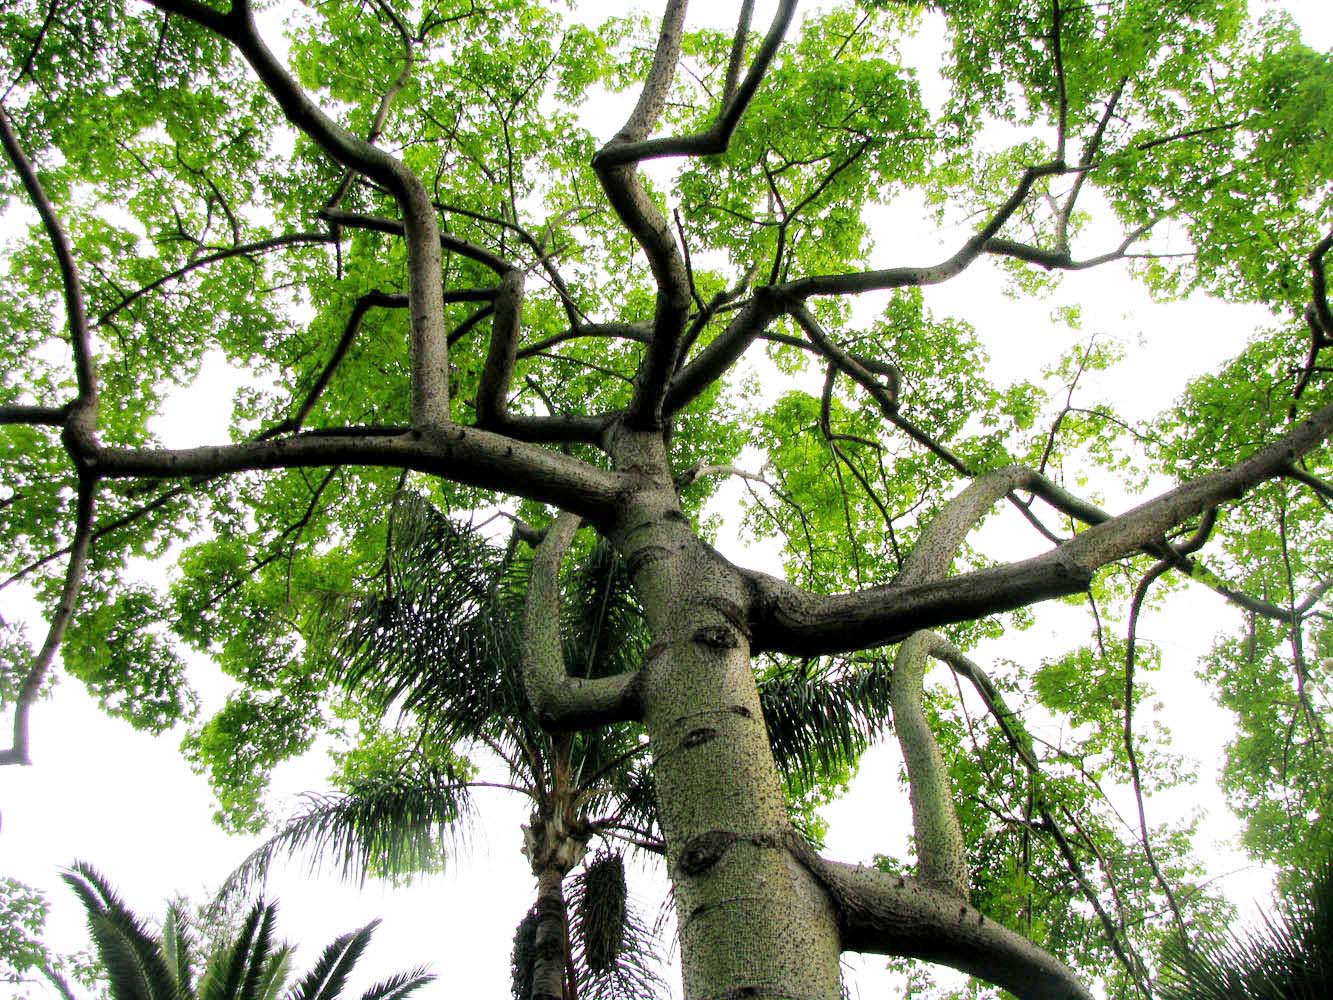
{"x": 887, "y": 914}
{"x": 902, "y": 277}
{"x": 563, "y": 702}
{"x": 735, "y": 100}
{"x": 791, "y": 620}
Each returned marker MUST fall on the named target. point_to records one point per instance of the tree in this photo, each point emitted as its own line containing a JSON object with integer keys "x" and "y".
{"x": 141, "y": 965}
{"x": 449, "y": 281}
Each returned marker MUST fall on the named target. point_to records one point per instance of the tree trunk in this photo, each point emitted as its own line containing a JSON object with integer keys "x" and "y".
{"x": 754, "y": 922}
{"x": 550, "y": 958}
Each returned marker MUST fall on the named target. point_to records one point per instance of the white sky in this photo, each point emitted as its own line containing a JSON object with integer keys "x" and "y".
{"x": 128, "y": 804}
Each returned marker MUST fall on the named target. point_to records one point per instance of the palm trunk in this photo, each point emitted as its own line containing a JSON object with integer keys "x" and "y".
{"x": 753, "y": 920}
{"x": 550, "y": 948}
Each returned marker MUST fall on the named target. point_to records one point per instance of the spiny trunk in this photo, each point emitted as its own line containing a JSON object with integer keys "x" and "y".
{"x": 753, "y": 920}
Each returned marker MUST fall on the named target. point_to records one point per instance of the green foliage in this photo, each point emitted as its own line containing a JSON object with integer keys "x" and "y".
{"x": 361, "y": 607}
{"x": 1290, "y": 957}
{"x": 249, "y": 965}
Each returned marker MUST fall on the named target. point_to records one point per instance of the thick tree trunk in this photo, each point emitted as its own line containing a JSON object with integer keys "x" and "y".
{"x": 754, "y": 922}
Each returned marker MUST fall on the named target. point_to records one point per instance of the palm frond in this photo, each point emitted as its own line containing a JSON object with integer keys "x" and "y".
{"x": 818, "y": 722}
{"x": 612, "y": 948}
{"x": 380, "y": 826}
{"x": 1290, "y": 957}
{"x": 328, "y": 976}
{"x": 59, "y": 982}
{"x": 275, "y": 973}
{"x": 399, "y": 986}
{"x": 257, "y": 962}
{"x": 443, "y": 642}
{"x": 604, "y": 630}
{"x": 176, "y": 949}
{"x": 227, "y": 971}
{"x": 136, "y": 969}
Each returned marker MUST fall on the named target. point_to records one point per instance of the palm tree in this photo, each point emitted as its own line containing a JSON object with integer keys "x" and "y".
{"x": 1290, "y": 957}
{"x": 442, "y": 642}
{"x": 142, "y": 965}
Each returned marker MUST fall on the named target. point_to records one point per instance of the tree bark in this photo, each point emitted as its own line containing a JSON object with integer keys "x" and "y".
{"x": 754, "y": 921}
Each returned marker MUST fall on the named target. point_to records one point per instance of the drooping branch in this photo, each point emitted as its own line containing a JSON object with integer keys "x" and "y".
{"x": 240, "y": 250}
{"x": 82, "y": 414}
{"x": 563, "y": 702}
{"x": 1020, "y": 741}
{"x": 40, "y": 667}
{"x": 430, "y": 365}
{"x": 789, "y": 619}
{"x": 941, "y": 859}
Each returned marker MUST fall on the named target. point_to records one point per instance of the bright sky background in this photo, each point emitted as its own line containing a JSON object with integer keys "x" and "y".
{"x": 128, "y": 804}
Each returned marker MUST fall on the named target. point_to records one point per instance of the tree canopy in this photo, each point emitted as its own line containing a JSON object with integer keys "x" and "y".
{"x": 566, "y": 280}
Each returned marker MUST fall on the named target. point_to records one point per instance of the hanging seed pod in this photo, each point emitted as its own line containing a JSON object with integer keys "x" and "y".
{"x": 601, "y": 912}
{"x": 524, "y": 955}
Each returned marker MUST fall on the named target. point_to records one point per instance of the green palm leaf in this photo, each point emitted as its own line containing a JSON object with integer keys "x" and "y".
{"x": 176, "y": 949}
{"x": 823, "y": 721}
{"x": 325, "y": 981}
{"x": 442, "y": 640}
{"x": 1289, "y": 958}
{"x": 229, "y": 971}
{"x": 378, "y": 826}
{"x": 399, "y": 986}
{"x": 134, "y": 961}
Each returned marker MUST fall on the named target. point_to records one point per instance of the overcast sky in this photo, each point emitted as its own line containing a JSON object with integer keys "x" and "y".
{"x": 128, "y": 804}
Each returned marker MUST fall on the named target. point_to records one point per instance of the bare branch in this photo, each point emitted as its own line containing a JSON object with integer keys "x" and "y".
{"x": 241, "y": 250}
{"x": 902, "y": 277}
{"x": 563, "y": 702}
{"x": 395, "y": 228}
{"x": 466, "y": 455}
{"x": 941, "y": 858}
{"x": 49, "y": 416}
{"x": 83, "y": 414}
{"x": 887, "y": 914}
{"x": 363, "y": 305}
{"x": 493, "y": 388}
